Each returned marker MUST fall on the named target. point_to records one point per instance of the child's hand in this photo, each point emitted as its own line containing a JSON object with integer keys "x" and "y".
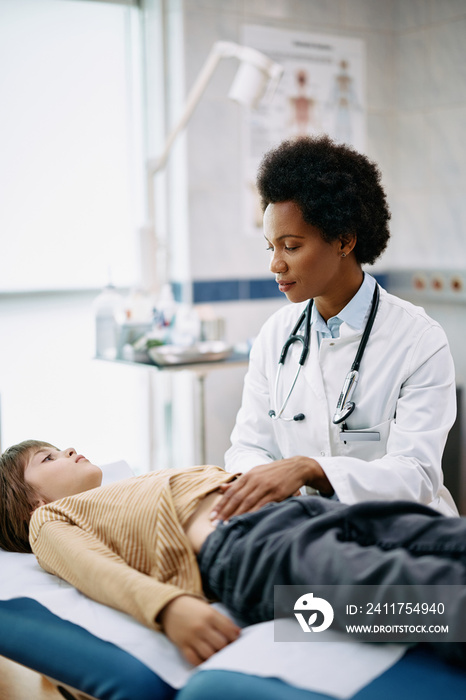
{"x": 197, "y": 629}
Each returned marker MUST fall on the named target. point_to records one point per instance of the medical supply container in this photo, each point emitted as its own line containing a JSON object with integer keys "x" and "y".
{"x": 107, "y": 309}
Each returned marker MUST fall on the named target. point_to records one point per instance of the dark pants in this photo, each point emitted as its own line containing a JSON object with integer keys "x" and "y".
{"x": 310, "y": 540}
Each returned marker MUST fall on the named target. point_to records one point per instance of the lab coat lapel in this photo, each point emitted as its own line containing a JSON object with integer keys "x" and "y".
{"x": 312, "y": 370}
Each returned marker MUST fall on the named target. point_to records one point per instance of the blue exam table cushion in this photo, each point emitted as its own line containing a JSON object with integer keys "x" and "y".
{"x": 34, "y": 637}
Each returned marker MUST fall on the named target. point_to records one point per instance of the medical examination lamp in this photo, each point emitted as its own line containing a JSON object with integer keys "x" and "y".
{"x": 257, "y": 76}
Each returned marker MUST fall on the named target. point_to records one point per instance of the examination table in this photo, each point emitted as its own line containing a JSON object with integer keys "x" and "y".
{"x": 82, "y": 665}
{"x": 90, "y": 650}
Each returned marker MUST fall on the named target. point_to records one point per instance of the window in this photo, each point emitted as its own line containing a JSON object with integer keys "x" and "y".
{"x": 70, "y": 139}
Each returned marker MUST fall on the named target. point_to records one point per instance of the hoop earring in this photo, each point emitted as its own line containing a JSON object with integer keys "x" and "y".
{"x": 343, "y": 255}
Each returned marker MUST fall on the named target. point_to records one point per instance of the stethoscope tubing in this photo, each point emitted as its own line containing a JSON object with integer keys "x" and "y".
{"x": 293, "y": 337}
{"x": 344, "y": 406}
{"x": 272, "y": 414}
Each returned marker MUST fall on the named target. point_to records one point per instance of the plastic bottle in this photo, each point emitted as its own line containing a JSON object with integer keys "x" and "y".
{"x": 186, "y": 329}
{"x": 166, "y": 305}
{"x": 107, "y": 308}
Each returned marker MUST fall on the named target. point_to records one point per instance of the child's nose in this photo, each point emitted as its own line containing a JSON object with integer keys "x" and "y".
{"x": 69, "y": 451}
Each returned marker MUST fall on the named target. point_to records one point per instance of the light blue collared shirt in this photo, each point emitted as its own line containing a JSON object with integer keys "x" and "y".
{"x": 354, "y": 314}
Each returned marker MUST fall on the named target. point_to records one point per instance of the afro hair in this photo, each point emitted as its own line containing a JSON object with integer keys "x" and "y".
{"x": 337, "y": 189}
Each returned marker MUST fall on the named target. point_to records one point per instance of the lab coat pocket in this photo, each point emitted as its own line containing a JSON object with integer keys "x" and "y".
{"x": 294, "y": 438}
{"x": 365, "y": 443}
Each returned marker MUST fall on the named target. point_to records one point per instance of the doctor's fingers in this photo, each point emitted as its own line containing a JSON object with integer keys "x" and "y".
{"x": 249, "y": 496}
{"x": 238, "y": 499}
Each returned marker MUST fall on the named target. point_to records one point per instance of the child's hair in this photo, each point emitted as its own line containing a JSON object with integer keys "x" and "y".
{"x": 17, "y": 498}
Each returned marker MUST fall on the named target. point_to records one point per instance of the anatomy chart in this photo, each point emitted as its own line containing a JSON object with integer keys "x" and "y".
{"x": 322, "y": 91}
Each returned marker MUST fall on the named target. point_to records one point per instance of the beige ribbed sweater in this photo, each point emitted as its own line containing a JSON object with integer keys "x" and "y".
{"x": 124, "y": 544}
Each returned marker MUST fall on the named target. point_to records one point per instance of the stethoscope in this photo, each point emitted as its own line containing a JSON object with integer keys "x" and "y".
{"x": 345, "y": 406}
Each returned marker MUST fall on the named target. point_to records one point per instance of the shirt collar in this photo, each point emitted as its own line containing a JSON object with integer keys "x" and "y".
{"x": 353, "y": 314}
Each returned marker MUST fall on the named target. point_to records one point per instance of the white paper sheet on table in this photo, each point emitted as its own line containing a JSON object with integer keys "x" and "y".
{"x": 305, "y": 665}
{"x": 308, "y": 666}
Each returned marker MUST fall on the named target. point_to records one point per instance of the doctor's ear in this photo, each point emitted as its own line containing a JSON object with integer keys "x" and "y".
{"x": 347, "y": 243}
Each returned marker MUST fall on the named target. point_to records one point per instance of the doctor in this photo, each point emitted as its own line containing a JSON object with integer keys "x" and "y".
{"x": 367, "y": 413}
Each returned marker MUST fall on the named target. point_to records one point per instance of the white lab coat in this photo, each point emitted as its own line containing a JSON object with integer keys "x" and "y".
{"x": 405, "y": 393}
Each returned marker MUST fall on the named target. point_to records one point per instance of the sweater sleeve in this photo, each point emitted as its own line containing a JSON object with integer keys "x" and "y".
{"x": 85, "y": 562}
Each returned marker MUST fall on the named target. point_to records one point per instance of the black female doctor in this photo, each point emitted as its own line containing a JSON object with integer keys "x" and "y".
{"x": 325, "y": 215}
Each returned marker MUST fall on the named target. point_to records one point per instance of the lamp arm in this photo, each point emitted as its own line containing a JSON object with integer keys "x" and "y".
{"x": 221, "y": 49}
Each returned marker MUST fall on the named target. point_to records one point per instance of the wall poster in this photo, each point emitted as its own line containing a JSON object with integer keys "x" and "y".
{"x": 322, "y": 91}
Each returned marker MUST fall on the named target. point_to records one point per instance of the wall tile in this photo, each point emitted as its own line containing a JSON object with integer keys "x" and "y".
{"x": 428, "y": 231}
{"x": 411, "y": 151}
{"x": 312, "y": 12}
{"x": 305, "y": 14}
{"x": 411, "y": 14}
{"x": 269, "y": 9}
{"x": 412, "y": 71}
{"x": 215, "y": 291}
{"x": 447, "y": 64}
{"x": 218, "y": 248}
{"x": 202, "y": 29}
{"x": 380, "y": 73}
{"x": 447, "y": 9}
{"x": 370, "y": 14}
{"x": 380, "y": 127}
{"x": 213, "y": 5}
{"x": 411, "y": 239}
{"x": 214, "y": 144}
{"x": 448, "y": 148}
{"x": 264, "y": 288}
{"x": 448, "y": 223}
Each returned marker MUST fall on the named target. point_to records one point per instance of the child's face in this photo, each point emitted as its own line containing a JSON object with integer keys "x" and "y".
{"x": 55, "y": 474}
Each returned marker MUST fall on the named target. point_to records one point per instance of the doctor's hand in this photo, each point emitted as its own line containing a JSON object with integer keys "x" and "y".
{"x": 274, "y": 481}
{"x": 196, "y": 628}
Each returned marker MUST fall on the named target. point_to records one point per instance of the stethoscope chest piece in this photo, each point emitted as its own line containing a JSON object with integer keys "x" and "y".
{"x": 345, "y": 406}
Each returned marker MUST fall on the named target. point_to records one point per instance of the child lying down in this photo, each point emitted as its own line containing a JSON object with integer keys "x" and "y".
{"x": 147, "y": 545}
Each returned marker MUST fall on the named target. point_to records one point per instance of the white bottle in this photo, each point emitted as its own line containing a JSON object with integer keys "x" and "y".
{"x": 166, "y": 305}
{"x": 107, "y": 307}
